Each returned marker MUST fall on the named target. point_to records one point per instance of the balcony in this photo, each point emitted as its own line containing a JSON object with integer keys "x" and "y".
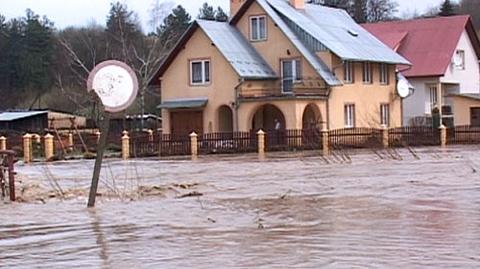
{"x": 288, "y": 89}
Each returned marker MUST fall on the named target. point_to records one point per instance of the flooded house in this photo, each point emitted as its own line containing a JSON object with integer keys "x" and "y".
{"x": 278, "y": 64}
{"x": 445, "y": 54}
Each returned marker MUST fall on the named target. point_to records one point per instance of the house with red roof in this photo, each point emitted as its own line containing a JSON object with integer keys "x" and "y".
{"x": 445, "y": 54}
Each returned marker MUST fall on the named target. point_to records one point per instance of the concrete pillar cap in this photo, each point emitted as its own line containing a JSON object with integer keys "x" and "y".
{"x": 48, "y": 136}
{"x": 193, "y": 134}
{"x": 27, "y": 135}
{"x": 260, "y": 132}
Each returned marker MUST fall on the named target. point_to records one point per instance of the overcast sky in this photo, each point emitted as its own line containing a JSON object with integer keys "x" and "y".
{"x": 79, "y": 12}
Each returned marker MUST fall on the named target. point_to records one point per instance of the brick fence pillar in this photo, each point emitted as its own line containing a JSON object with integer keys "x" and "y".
{"x": 194, "y": 144}
{"x": 443, "y": 135}
{"x": 71, "y": 144}
{"x": 261, "y": 141}
{"x": 49, "y": 147}
{"x": 385, "y": 136}
{"x": 3, "y": 143}
{"x": 325, "y": 142}
{"x": 125, "y": 146}
{"x": 27, "y": 148}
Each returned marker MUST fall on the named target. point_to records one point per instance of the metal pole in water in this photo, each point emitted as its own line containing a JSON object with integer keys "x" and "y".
{"x": 99, "y": 158}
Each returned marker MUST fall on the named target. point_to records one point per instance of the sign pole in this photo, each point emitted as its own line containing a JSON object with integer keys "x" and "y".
{"x": 105, "y": 124}
{"x": 116, "y": 86}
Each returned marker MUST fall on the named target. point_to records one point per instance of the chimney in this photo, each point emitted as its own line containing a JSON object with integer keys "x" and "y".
{"x": 235, "y": 6}
{"x": 298, "y": 4}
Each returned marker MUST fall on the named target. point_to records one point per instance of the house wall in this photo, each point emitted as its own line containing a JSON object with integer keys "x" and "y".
{"x": 469, "y": 79}
{"x": 366, "y": 97}
{"x": 415, "y": 104}
{"x": 461, "y": 109}
{"x": 277, "y": 46}
{"x": 292, "y": 110}
{"x": 220, "y": 91}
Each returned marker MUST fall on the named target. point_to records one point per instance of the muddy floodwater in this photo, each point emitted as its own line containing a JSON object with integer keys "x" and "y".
{"x": 385, "y": 209}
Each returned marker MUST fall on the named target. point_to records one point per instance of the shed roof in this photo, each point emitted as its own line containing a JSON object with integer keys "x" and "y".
{"x": 12, "y": 116}
{"x": 337, "y": 31}
{"x": 429, "y": 43}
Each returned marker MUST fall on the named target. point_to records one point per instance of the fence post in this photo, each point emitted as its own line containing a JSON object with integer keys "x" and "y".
{"x": 125, "y": 146}
{"x": 443, "y": 135}
{"x": 150, "y": 135}
{"x": 385, "y": 136}
{"x": 27, "y": 148}
{"x": 261, "y": 141}
{"x": 3, "y": 143}
{"x": 48, "y": 147}
{"x": 98, "y": 133}
{"x": 71, "y": 145}
{"x": 325, "y": 142}
{"x": 194, "y": 144}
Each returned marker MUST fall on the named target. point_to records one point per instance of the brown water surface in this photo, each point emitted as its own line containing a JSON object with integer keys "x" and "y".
{"x": 366, "y": 210}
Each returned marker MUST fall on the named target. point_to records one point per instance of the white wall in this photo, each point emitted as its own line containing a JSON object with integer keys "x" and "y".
{"x": 414, "y": 105}
{"x": 456, "y": 81}
{"x": 469, "y": 79}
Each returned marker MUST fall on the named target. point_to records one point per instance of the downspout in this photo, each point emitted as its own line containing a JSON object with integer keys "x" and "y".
{"x": 236, "y": 104}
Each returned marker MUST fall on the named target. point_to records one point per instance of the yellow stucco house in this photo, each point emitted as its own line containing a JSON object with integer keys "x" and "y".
{"x": 278, "y": 64}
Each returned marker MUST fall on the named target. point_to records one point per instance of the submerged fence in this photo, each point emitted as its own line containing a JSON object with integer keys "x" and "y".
{"x": 149, "y": 144}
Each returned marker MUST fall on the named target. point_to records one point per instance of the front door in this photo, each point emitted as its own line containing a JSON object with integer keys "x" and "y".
{"x": 475, "y": 116}
{"x": 186, "y": 122}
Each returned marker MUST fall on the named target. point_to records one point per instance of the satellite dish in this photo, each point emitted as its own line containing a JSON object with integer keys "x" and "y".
{"x": 403, "y": 89}
{"x": 115, "y": 83}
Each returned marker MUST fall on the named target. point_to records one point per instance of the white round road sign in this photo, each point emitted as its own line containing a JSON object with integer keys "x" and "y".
{"x": 115, "y": 83}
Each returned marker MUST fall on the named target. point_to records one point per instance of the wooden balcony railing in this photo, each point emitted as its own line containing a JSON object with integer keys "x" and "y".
{"x": 287, "y": 89}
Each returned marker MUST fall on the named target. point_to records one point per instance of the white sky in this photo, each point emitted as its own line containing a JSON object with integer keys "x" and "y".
{"x": 80, "y": 12}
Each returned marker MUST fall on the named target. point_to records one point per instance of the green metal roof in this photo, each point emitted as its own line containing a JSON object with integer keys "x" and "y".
{"x": 183, "y": 103}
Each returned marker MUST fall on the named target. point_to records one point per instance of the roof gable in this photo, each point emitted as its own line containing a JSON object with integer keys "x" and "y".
{"x": 320, "y": 67}
{"x": 338, "y": 32}
{"x": 429, "y": 43}
{"x": 244, "y": 59}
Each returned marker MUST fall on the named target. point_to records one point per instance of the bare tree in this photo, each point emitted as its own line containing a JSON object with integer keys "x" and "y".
{"x": 381, "y": 10}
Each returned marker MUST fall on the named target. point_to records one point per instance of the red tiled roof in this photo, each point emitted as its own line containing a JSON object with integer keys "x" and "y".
{"x": 429, "y": 44}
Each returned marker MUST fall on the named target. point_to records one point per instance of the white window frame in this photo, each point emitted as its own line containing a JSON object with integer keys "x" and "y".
{"x": 432, "y": 96}
{"x": 459, "y": 54}
{"x": 205, "y": 80}
{"x": 349, "y": 114}
{"x": 385, "y": 115}
{"x": 297, "y": 73}
{"x": 367, "y": 73}
{"x": 349, "y": 72}
{"x": 384, "y": 74}
{"x": 258, "y": 28}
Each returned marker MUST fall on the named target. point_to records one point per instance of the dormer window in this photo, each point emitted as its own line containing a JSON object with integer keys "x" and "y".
{"x": 258, "y": 28}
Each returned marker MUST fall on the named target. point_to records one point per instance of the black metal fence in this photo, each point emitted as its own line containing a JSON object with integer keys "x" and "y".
{"x": 287, "y": 140}
{"x": 236, "y": 142}
{"x": 413, "y": 136}
{"x": 158, "y": 144}
{"x": 355, "y": 138}
{"x": 463, "y": 135}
